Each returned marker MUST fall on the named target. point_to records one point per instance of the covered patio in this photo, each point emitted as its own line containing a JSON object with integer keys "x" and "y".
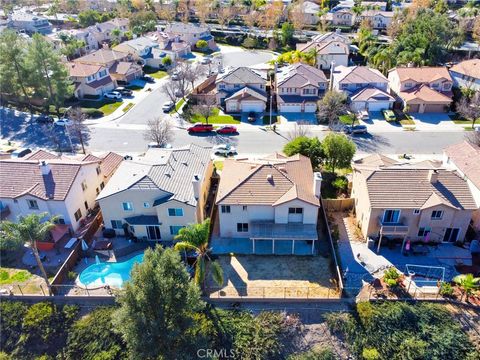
{"x": 392, "y": 229}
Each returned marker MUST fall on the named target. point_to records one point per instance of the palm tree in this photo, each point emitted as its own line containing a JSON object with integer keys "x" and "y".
{"x": 28, "y": 230}
{"x": 195, "y": 237}
{"x": 468, "y": 283}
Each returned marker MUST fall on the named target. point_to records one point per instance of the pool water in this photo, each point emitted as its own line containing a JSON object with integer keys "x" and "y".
{"x": 113, "y": 274}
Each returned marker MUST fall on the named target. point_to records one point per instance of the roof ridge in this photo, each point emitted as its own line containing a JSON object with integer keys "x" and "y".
{"x": 258, "y": 167}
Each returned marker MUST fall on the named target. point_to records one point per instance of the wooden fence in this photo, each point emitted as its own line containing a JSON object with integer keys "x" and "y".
{"x": 338, "y": 204}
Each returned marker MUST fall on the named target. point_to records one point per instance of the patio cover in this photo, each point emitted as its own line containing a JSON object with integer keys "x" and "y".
{"x": 143, "y": 220}
{"x": 266, "y": 230}
{"x": 58, "y": 232}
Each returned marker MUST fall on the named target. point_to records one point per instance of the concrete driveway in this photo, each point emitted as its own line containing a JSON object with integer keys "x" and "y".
{"x": 376, "y": 123}
{"x": 435, "y": 122}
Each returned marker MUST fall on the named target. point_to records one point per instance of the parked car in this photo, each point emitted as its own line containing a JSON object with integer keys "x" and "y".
{"x": 148, "y": 79}
{"x": 389, "y": 115}
{"x": 224, "y": 149}
{"x": 363, "y": 115}
{"x": 44, "y": 119}
{"x": 205, "y": 61}
{"x": 124, "y": 91}
{"x": 227, "y": 129}
{"x": 113, "y": 95}
{"x": 63, "y": 122}
{"x": 199, "y": 127}
{"x": 168, "y": 106}
{"x": 179, "y": 93}
{"x": 21, "y": 153}
{"x": 251, "y": 116}
{"x": 357, "y": 129}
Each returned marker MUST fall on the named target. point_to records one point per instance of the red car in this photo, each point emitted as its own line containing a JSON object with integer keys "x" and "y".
{"x": 227, "y": 129}
{"x": 199, "y": 127}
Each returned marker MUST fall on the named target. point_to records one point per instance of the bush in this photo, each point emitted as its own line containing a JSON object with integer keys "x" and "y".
{"x": 391, "y": 277}
{"x": 72, "y": 275}
{"x": 446, "y": 289}
{"x": 249, "y": 43}
{"x": 370, "y": 354}
{"x": 92, "y": 113}
{"x": 323, "y": 354}
{"x": 11, "y": 320}
{"x": 341, "y": 184}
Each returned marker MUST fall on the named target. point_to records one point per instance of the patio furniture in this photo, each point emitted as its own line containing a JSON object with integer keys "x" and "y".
{"x": 420, "y": 249}
{"x": 70, "y": 243}
{"x": 103, "y": 245}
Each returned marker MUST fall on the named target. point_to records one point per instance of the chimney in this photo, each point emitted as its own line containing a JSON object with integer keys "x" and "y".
{"x": 433, "y": 176}
{"x": 317, "y": 184}
{"x": 196, "y": 186}
{"x": 45, "y": 168}
{"x": 332, "y": 69}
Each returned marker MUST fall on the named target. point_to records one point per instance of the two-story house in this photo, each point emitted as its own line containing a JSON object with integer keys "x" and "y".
{"x": 466, "y": 74}
{"x": 422, "y": 89}
{"x": 241, "y": 89}
{"x": 89, "y": 79}
{"x": 380, "y": 20}
{"x": 153, "y": 198}
{"x": 375, "y": 5}
{"x": 416, "y": 202}
{"x": 309, "y": 11}
{"x": 299, "y": 87}
{"x": 465, "y": 159}
{"x": 329, "y": 47}
{"x": 29, "y": 23}
{"x": 103, "y": 32}
{"x": 45, "y": 182}
{"x": 342, "y": 17}
{"x": 192, "y": 33}
{"x": 90, "y": 43}
{"x": 365, "y": 87}
{"x": 120, "y": 65}
{"x": 268, "y": 205}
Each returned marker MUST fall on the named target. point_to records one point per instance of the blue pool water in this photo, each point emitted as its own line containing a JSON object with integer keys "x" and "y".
{"x": 113, "y": 274}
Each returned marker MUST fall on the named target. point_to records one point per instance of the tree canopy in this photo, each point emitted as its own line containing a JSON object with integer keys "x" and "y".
{"x": 338, "y": 151}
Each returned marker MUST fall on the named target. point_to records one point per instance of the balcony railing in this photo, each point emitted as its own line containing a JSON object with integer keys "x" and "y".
{"x": 388, "y": 228}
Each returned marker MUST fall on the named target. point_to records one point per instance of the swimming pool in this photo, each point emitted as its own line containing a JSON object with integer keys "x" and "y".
{"x": 113, "y": 274}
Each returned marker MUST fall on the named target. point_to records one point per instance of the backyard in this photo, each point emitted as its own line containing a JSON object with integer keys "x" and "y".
{"x": 275, "y": 277}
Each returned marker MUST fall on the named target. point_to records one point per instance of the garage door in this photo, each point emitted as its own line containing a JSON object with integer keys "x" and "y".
{"x": 358, "y": 105}
{"x": 289, "y": 108}
{"x": 311, "y": 107}
{"x": 378, "y": 106}
{"x": 231, "y": 106}
{"x": 413, "y": 108}
{"x": 435, "y": 108}
{"x": 255, "y": 106}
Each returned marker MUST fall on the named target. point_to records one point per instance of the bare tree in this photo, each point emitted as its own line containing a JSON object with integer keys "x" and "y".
{"x": 331, "y": 106}
{"x": 300, "y": 129}
{"x": 205, "y": 107}
{"x": 203, "y": 9}
{"x": 170, "y": 89}
{"x": 183, "y": 10}
{"x": 50, "y": 132}
{"x": 297, "y": 15}
{"x": 78, "y": 128}
{"x": 160, "y": 131}
{"x": 182, "y": 69}
{"x": 166, "y": 12}
{"x": 251, "y": 19}
{"x": 192, "y": 73}
{"x": 225, "y": 15}
{"x": 469, "y": 108}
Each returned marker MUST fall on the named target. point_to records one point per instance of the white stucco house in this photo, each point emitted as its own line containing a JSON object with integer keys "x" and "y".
{"x": 269, "y": 205}
{"x": 466, "y": 74}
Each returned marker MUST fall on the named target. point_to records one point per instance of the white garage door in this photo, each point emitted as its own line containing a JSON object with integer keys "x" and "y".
{"x": 289, "y": 108}
{"x": 358, "y": 105}
{"x": 231, "y": 106}
{"x": 310, "y": 108}
{"x": 255, "y": 106}
{"x": 378, "y": 106}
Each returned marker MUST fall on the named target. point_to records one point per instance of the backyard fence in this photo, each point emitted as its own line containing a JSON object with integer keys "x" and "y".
{"x": 338, "y": 204}
{"x": 272, "y": 292}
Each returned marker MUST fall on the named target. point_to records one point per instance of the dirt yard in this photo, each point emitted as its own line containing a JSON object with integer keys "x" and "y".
{"x": 275, "y": 277}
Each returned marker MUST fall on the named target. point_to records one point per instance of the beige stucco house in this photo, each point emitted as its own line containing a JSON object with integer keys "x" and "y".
{"x": 416, "y": 202}
{"x": 90, "y": 79}
{"x": 153, "y": 198}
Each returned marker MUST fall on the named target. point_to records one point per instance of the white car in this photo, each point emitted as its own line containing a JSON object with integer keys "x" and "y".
{"x": 63, "y": 122}
{"x": 113, "y": 95}
{"x": 205, "y": 61}
{"x": 168, "y": 106}
{"x": 224, "y": 149}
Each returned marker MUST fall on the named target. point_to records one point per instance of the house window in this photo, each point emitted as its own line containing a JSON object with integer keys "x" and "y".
{"x": 86, "y": 205}
{"x": 102, "y": 185}
{"x": 437, "y": 214}
{"x": 242, "y": 227}
{"x": 225, "y": 209}
{"x": 117, "y": 224}
{"x": 221, "y": 86}
{"x": 32, "y": 204}
{"x": 175, "y": 229}
{"x": 78, "y": 215}
{"x": 97, "y": 191}
{"x": 102, "y": 73}
{"x": 391, "y": 216}
{"x": 90, "y": 78}
{"x": 175, "y": 212}
{"x": 416, "y": 211}
{"x": 295, "y": 210}
{"x": 408, "y": 85}
{"x": 99, "y": 170}
{"x": 244, "y": 207}
{"x": 84, "y": 185}
{"x": 60, "y": 221}
{"x": 423, "y": 231}
{"x": 146, "y": 205}
{"x": 127, "y": 206}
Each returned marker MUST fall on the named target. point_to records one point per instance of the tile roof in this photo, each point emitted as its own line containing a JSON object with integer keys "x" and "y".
{"x": 376, "y": 160}
{"x": 169, "y": 170}
{"x": 424, "y": 93}
{"x": 466, "y": 158}
{"x": 408, "y": 186}
{"x": 181, "y": 28}
{"x": 358, "y": 75}
{"x": 372, "y": 13}
{"x": 247, "y": 93}
{"x": 78, "y": 69}
{"x": 422, "y": 74}
{"x": 371, "y": 94}
{"x": 468, "y": 67}
{"x": 109, "y": 162}
{"x": 300, "y": 75}
{"x": 102, "y": 56}
{"x": 242, "y": 75}
{"x": 324, "y": 48}
{"x": 98, "y": 83}
{"x": 271, "y": 180}
{"x": 41, "y": 155}
{"x": 124, "y": 67}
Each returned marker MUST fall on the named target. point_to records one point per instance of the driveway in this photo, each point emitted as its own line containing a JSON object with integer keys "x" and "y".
{"x": 376, "y": 123}
{"x": 435, "y": 122}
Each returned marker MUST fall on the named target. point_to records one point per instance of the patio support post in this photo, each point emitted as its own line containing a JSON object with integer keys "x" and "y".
{"x": 403, "y": 243}
{"x": 293, "y": 247}
{"x": 253, "y": 243}
{"x": 313, "y": 246}
{"x": 273, "y": 246}
{"x": 379, "y": 242}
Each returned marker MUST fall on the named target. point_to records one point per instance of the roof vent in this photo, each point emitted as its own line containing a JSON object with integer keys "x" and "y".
{"x": 270, "y": 177}
{"x": 433, "y": 176}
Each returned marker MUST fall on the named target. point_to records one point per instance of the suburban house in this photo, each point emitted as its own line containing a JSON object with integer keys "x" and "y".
{"x": 365, "y": 87}
{"x": 422, "y": 89}
{"x": 418, "y": 202}
{"x": 341, "y": 17}
{"x": 269, "y": 205}
{"x": 379, "y": 19}
{"x": 242, "y": 89}
{"x": 375, "y": 5}
{"x": 191, "y": 33}
{"x": 89, "y": 79}
{"x": 29, "y": 23}
{"x": 45, "y": 182}
{"x": 465, "y": 159}
{"x": 298, "y": 88}
{"x": 121, "y": 66}
{"x": 329, "y": 47}
{"x": 154, "y": 197}
{"x": 466, "y": 74}
{"x": 102, "y": 32}
{"x": 310, "y": 11}
{"x": 171, "y": 44}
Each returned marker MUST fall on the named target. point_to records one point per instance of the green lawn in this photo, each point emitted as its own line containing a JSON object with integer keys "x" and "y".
{"x": 347, "y": 119}
{"x": 134, "y": 87}
{"x": 128, "y": 107}
{"x": 105, "y": 107}
{"x": 178, "y": 105}
{"x": 9, "y": 276}
{"x": 158, "y": 74}
{"x": 457, "y": 119}
{"x": 403, "y": 118}
{"x": 215, "y": 118}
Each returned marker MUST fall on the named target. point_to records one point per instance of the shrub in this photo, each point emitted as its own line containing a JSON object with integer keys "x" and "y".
{"x": 391, "y": 277}
{"x": 72, "y": 275}
{"x": 446, "y": 289}
{"x": 370, "y": 354}
{"x": 365, "y": 312}
{"x": 321, "y": 354}
{"x": 249, "y": 43}
{"x": 340, "y": 183}
{"x": 11, "y": 320}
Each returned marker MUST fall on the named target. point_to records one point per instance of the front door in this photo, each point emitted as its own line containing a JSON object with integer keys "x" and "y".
{"x": 451, "y": 235}
{"x": 153, "y": 232}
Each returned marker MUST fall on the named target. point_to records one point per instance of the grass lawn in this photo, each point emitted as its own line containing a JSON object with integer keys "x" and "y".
{"x": 178, "y": 105}
{"x": 9, "y": 276}
{"x": 347, "y": 119}
{"x": 128, "y": 107}
{"x": 135, "y": 87}
{"x": 459, "y": 120}
{"x": 215, "y": 118}
{"x": 158, "y": 74}
{"x": 105, "y": 107}
{"x": 404, "y": 119}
